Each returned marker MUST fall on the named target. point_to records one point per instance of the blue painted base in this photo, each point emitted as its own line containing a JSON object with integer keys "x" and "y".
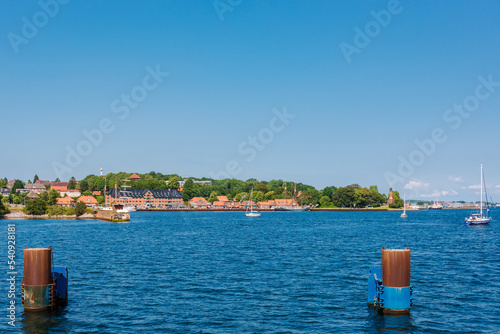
{"x": 388, "y": 299}
{"x": 396, "y": 299}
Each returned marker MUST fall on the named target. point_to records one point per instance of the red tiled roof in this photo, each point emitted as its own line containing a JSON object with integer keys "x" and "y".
{"x": 87, "y": 199}
{"x": 223, "y": 198}
{"x": 64, "y": 201}
{"x": 198, "y": 199}
{"x": 134, "y": 177}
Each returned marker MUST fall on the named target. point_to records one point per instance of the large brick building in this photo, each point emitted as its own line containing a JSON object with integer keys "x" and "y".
{"x": 160, "y": 198}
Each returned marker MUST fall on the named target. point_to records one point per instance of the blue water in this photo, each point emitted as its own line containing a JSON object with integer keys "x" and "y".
{"x": 285, "y": 272}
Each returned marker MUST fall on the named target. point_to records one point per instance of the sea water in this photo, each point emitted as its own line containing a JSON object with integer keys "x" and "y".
{"x": 283, "y": 272}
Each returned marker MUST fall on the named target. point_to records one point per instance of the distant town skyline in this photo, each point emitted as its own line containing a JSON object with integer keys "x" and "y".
{"x": 387, "y": 93}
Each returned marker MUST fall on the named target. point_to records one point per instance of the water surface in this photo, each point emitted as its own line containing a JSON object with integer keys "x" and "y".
{"x": 285, "y": 272}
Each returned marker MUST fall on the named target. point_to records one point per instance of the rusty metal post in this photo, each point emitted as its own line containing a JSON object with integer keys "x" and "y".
{"x": 37, "y": 279}
{"x": 396, "y": 267}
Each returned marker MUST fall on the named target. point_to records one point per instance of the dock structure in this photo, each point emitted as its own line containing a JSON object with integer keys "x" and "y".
{"x": 112, "y": 216}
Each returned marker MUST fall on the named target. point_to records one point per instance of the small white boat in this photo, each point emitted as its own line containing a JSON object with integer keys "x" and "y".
{"x": 130, "y": 208}
{"x": 436, "y": 206}
{"x": 480, "y": 218}
{"x": 404, "y": 215}
{"x": 250, "y": 203}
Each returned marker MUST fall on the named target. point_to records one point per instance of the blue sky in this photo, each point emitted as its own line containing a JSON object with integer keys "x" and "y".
{"x": 352, "y": 117}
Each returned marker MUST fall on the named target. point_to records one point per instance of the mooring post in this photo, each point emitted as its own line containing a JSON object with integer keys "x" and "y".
{"x": 43, "y": 285}
{"x": 389, "y": 287}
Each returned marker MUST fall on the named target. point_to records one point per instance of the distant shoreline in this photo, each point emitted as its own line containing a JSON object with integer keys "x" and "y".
{"x": 22, "y": 215}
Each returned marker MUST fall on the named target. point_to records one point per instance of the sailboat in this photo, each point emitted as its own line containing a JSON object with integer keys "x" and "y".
{"x": 479, "y": 218}
{"x": 404, "y": 215}
{"x": 250, "y": 204}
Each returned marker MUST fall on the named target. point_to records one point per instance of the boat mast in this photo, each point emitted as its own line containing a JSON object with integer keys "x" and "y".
{"x": 481, "y": 190}
{"x": 285, "y": 191}
{"x": 404, "y": 202}
{"x": 105, "y": 198}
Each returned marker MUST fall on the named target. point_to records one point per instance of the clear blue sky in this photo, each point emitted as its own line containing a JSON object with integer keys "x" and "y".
{"x": 354, "y": 120}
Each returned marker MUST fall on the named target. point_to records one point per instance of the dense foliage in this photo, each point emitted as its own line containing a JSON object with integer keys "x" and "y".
{"x": 35, "y": 206}
{"x": 80, "y": 208}
{"x": 3, "y": 208}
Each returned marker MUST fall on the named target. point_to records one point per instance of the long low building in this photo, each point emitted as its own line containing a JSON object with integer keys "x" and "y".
{"x": 160, "y": 198}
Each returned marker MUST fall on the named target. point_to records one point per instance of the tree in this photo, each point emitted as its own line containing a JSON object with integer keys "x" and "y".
{"x": 343, "y": 197}
{"x": 99, "y": 184}
{"x": 80, "y": 208}
{"x": 72, "y": 183}
{"x": 173, "y": 183}
{"x": 83, "y": 185}
{"x": 35, "y": 178}
{"x": 398, "y": 202}
{"x": 262, "y": 186}
{"x": 57, "y": 180}
{"x": 325, "y": 201}
{"x": 258, "y": 196}
{"x": 269, "y": 195}
{"x": 35, "y": 207}
{"x": 213, "y": 197}
{"x": 3, "y": 183}
{"x": 328, "y": 191}
{"x": 3, "y": 208}
{"x": 45, "y": 196}
{"x": 188, "y": 191}
{"x": 241, "y": 197}
{"x": 18, "y": 184}
{"x": 52, "y": 197}
{"x": 17, "y": 199}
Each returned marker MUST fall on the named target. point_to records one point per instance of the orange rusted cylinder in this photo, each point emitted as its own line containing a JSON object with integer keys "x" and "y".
{"x": 37, "y": 266}
{"x": 396, "y": 267}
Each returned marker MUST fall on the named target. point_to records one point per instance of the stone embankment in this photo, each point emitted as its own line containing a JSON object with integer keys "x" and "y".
{"x": 22, "y": 215}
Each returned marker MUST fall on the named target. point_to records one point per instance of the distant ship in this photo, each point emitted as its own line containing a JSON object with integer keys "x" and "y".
{"x": 436, "y": 206}
{"x": 293, "y": 207}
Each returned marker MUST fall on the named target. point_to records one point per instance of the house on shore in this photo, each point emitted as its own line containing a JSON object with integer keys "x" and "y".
{"x": 285, "y": 202}
{"x": 43, "y": 182}
{"x": 35, "y": 187}
{"x": 134, "y": 177}
{"x": 59, "y": 186}
{"x": 5, "y": 192}
{"x": 159, "y": 198}
{"x": 88, "y": 200}
{"x": 219, "y": 205}
{"x": 198, "y": 203}
{"x": 65, "y": 201}
{"x": 222, "y": 199}
{"x": 266, "y": 205}
{"x": 32, "y": 195}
